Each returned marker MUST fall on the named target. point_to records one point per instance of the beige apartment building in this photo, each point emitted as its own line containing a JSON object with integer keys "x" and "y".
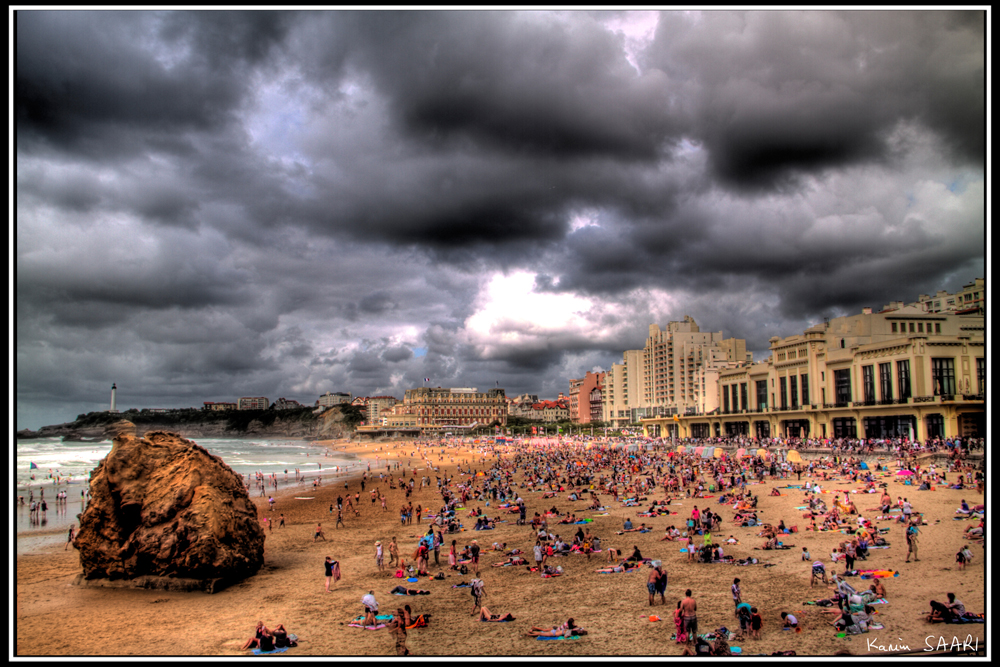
{"x": 902, "y": 372}
{"x": 377, "y": 406}
{"x": 675, "y": 373}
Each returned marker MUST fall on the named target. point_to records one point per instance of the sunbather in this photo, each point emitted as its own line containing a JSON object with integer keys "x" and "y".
{"x": 487, "y": 616}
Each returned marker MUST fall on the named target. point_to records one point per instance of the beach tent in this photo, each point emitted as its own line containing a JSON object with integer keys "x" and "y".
{"x": 698, "y": 450}
{"x": 741, "y": 452}
{"x": 690, "y": 449}
{"x": 864, "y": 466}
{"x": 718, "y": 452}
{"x": 706, "y": 452}
{"x": 793, "y": 456}
{"x": 680, "y": 449}
{"x": 762, "y": 453}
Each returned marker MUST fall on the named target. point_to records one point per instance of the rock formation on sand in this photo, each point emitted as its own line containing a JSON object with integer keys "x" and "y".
{"x": 165, "y": 513}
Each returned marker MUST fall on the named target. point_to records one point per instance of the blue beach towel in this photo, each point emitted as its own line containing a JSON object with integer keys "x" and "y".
{"x": 257, "y": 651}
{"x": 559, "y": 637}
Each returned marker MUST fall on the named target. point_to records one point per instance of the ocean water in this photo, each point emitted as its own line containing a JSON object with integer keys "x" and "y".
{"x": 66, "y": 466}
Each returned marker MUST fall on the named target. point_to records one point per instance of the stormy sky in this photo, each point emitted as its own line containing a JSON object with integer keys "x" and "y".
{"x": 215, "y": 204}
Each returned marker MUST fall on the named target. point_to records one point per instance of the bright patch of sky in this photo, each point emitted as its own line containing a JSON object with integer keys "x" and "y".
{"x": 638, "y": 29}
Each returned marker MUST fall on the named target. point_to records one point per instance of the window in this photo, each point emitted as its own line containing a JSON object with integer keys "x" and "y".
{"x": 842, "y": 386}
{"x": 943, "y": 376}
{"x": 937, "y": 327}
{"x": 762, "y": 394}
{"x": 894, "y": 328}
{"x": 744, "y": 404}
{"x": 920, "y": 327}
{"x": 805, "y": 389}
{"x": 783, "y": 383}
{"x": 794, "y": 382}
{"x": 911, "y": 327}
{"x": 725, "y": 399}
{"x": 903, "y": 377}
{"x": 981, "y": 374}
{"x": 885, "y": 379}
{"x": 868, "y": 383}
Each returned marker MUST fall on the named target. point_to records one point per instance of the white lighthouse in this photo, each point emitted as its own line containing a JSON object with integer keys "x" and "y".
{"x": 114, "y": 390}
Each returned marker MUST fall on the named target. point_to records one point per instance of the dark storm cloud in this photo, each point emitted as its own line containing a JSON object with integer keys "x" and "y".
{"x": 285, "y": 203}
{"x": 786, "y": 93}
{"x": 545, "y": 85}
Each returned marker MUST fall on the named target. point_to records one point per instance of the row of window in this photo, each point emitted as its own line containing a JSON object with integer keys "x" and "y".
{"x": 901, "y": 328}
{"x": 792, "y": 387}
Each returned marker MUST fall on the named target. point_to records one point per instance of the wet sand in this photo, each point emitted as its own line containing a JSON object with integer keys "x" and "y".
{"x": 56, "y": 618}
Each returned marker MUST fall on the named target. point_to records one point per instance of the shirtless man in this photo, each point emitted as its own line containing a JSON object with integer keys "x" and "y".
{"x": 689, "y": 616}
{"x": 398, "y": 629}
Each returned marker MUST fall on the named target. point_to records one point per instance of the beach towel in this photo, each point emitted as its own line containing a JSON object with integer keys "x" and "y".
{"x": 257, "y": 651}
{"x": 559, "y": 637}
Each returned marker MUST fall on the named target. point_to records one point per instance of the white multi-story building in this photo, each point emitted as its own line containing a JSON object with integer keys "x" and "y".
{"x": 332, "y": 398}
{"x": 254, "y": 403}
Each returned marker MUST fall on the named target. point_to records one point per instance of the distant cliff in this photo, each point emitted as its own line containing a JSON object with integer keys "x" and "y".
{"x": 338, "y": 421}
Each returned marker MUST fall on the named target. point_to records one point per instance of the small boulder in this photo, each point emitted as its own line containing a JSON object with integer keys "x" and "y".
{"x": 164, "y": 510}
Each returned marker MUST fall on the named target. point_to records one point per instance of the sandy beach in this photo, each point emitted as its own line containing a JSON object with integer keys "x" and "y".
{"x": 56, "y": 618}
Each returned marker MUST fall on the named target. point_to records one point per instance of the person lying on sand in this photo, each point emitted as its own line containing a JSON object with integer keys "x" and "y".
{"x": 487, "y": 616}
{"x": 567, "y": 629}
{"x": 400, "y": 590}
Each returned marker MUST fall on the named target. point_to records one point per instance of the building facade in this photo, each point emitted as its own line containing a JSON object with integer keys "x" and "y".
{"x": 332, "y": 398}
{"x": 903, "y": 372}
{"x": 673, "y": 374}
{"x": 253, "y": 403}
{"x": 442, "y": 409}
{"x": 377, "y": 405}
{"x": 218, "y": 406}
{"x": 580, "y": 397}
{"x": 286, "y": 404}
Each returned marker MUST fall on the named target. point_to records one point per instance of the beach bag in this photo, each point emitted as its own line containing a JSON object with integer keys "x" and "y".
{"x": 794, "y": 529}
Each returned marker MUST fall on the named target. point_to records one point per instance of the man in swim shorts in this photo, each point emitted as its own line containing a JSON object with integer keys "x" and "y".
{"x": 689, "y": 616}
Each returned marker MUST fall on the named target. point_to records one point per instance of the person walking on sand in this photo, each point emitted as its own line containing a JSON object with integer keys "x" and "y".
{"x": 332, "y": 569}
{"x": 72, "y": 534}
{"x": 912, "y": 535}
{"x": 340, "y": 519}
{"x": 319, "y": 533}
{"x": 281, "y": 521}
{"x": 378, "y": 557}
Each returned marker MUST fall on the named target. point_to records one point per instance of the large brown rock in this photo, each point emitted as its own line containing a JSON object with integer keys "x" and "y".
{"x": 164, "y": 512}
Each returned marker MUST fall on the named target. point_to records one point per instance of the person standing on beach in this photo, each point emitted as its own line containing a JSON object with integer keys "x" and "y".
{"x": 340, "y": 519}
{"x": 378, "y": 557}
{"x": 332, "y": 569}
{"x": 398, "y": 628}
{"x": 912, "y": 534}
{"x": 737, "y": 594}
{"x": 393, "y": 552}
{"x": 72, "y": 534}
{"x": 438, "y": 541}
{"x": 281, "y": 519}
{"x": 319, "y": 532}
{"x": 474, "y": 550}
{"x": 689, "y": 616}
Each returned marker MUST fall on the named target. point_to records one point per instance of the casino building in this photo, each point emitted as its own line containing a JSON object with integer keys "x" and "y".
{"x": 901, "y": 372}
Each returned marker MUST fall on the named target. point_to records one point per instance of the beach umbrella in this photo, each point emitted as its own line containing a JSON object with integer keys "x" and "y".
{"x": 905, "y": 472}
{"x": 793, "y": 456}
{"x": 718, "y": 452}
{"x": 762, "y": 453}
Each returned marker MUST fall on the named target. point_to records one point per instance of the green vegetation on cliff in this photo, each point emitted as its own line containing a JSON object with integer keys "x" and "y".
{"x": 232, "y": 420}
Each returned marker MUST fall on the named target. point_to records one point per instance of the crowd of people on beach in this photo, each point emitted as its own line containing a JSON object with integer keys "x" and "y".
{"x": 599, "y": 473}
